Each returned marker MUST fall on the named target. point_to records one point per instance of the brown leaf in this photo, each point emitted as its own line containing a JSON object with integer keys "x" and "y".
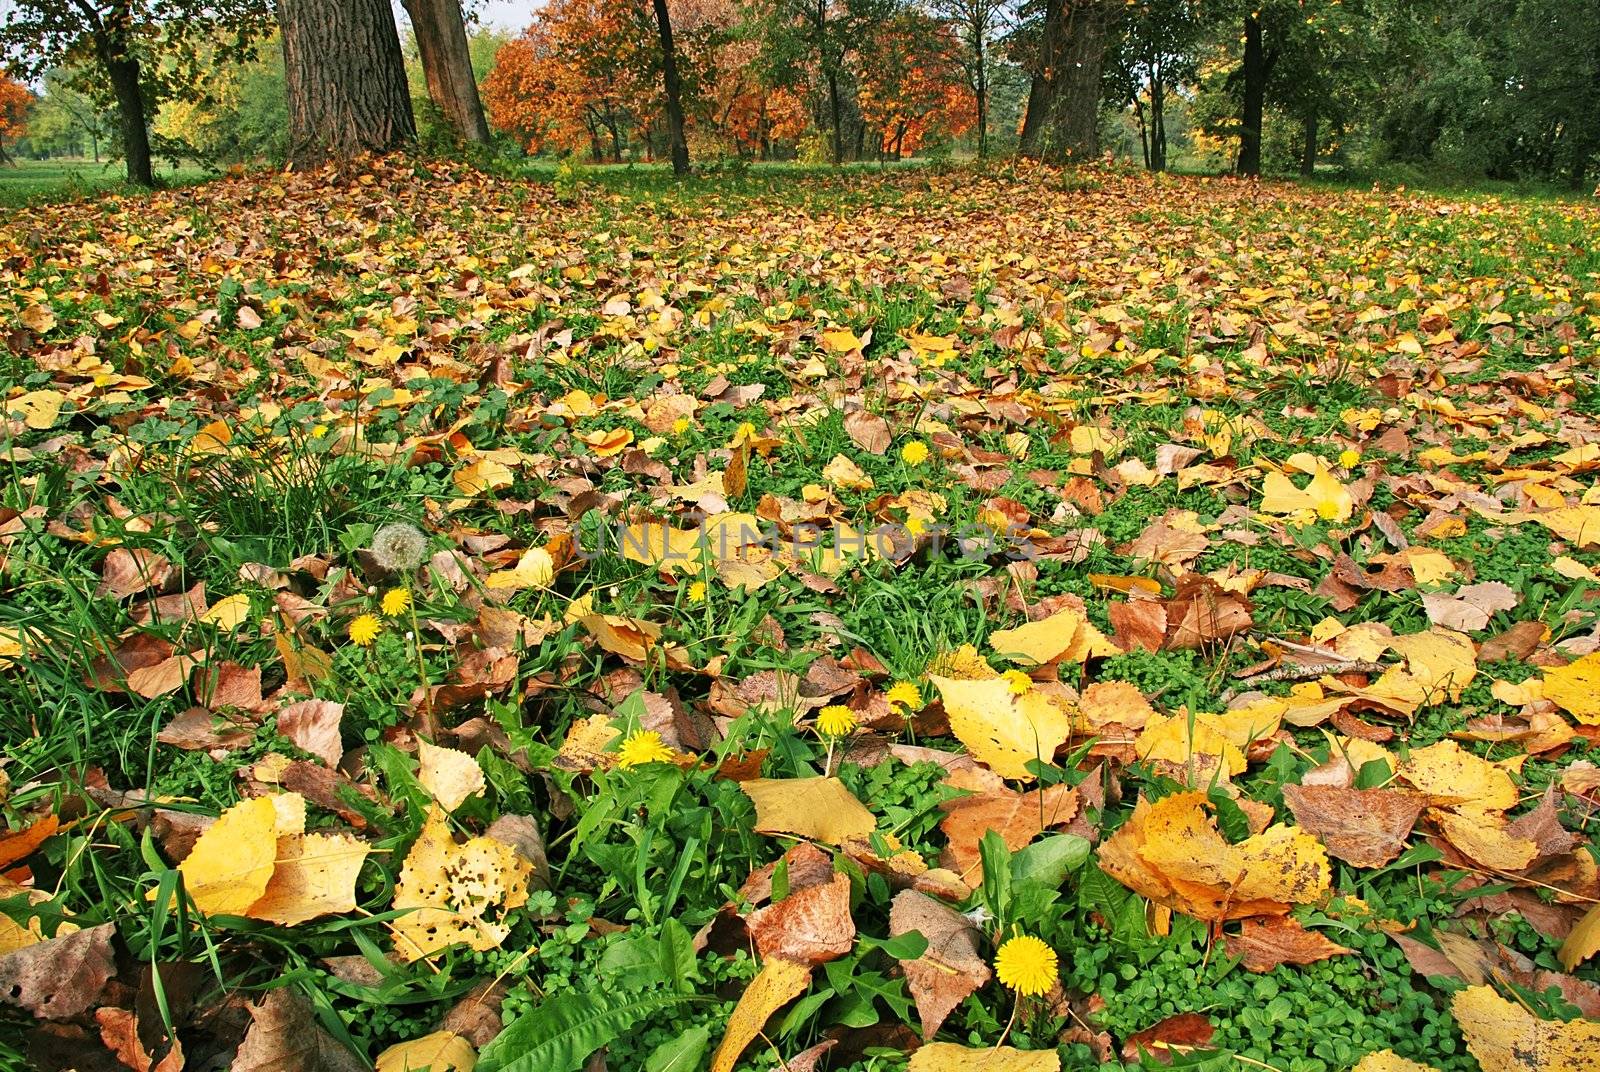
{"x": 868, "y": 431}
{"x": 1017, "y": 817}
{"x": 59, "y": 978}
{"x": 476, "y": 1017}
{"x": 810, "y": 926}
{"x": 128, "y": 572}
{"x": 1139, "y": 623}
{"x": 1365, "y": 827}
{"x": 1518, "y": 642}
{"x": 1263, "y": 944}
{"x": 200, "y": 730}
{"x": 119, "y": 1030}
{"x": 1185, "y": 1031}
{"x": 313, "y": 726}
{"x": 284, "y": 1036}
{"x": 952, "y": 966}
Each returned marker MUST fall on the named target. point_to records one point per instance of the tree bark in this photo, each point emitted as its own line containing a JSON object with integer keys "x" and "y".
{"x": 835, "y": 115}
{"x": 1308, "y": 145}
{"x": 441, "y": 34}
{"x": 676, "y": 142}
{"x": 123, "y": 71}
{"x": 980, "y": 89}
{"x": 1255, "y": 70}
{"x": 345, "y": 78}
{"x": 1158, "y": 122}
{"x": 1063, "y": 118}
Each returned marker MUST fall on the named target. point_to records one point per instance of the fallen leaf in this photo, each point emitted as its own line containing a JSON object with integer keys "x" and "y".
{"x": 1181, "y": 1033}
{"x": 314, "y": 726}
{"x": 441, "y": 1051}
{"x": 449, "y": 776}
{"x": 1583, "y": 942}
{"x": 1365, "y": 827}
{"x": 1003, "y": 731}
{"x": 231, "y": 864}
{"x": 1264, "y": 944}
{"x": 820, "y": 809}
{"x": 284, "y": 1036}
{"x": 948, "y": 1057}
{"x": 1017, "y": 817}
{"x": 810, "y": 926}
{"x": 1575, "y": 688}
{"x": 461, "y": 893}
{"x": 775, "y": 985}
{"x": 60, "y": 977}
{"x": 868, "y": 431}
{"x": 950, "y": 969}
{"x": 1505, "y": 1037}
{"x": 314, "y": 875}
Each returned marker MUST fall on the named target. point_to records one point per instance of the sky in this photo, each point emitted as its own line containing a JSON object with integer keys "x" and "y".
{"x": 505, "y": 14}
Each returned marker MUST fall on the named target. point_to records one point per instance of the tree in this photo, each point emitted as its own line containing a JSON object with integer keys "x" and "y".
{"x": 976, "y": 23}
{"x": 912, "y": 85}
{"x": 135, "y": 52}
{"x": 345, "y": 79}
{"x": 1063, "y": 116}
{"x": 672, "y": 89}
{"x": 15, "y": 102}
{"x": 1157, "y": 53}
{"x": 441, "y": 36}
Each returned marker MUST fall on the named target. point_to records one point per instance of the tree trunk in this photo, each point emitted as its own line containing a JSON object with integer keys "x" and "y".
{"x": 123, "y": 71}
{"x": 1255, "y": 69}
{"x": 1158, "y": 124}
{"x": 1308, "y": 145}
{"x": 441, "y": 34}
{"x": 674, "y": 90}
{"x": 980, "y": 92}
{"x": 345, "y": 78}
{"x": 835, "y": 110}
{"x": 1063, "y": 119}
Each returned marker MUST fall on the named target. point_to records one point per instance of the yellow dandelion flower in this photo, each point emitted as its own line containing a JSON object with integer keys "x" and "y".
{"x": 365, "y": 629}
{"x": 680, "y": 426}
{"x": 1018, "y": 682}
{"x": 914, "y": 452}
{"x": 395, "y": 601}
{"x": 904, "y": 695}
{"x": 643, "y": 747}
{"x": 1026, "y": 964}
{"x": 697, "y": 592}
{"x": 1349, "y": 459}
{"x": 836, "y": 720}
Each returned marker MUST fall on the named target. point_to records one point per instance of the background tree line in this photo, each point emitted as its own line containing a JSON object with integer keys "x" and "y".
{"x": 1503, "y": 88}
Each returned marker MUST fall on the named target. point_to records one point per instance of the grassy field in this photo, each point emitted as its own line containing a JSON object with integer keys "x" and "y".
{"x": 33, "y": 181}
{"x": 851, "y": 618}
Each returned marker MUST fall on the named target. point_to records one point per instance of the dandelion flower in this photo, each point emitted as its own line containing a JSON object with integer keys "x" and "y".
{"x": 1017, "y": 681}
{"x": 1026, "y": 964}
{"x": 680, "y": 426}
{"x": 914, "y": 452}
{"x": 904, "y": 695}
{"x": 697, "y": 592}
{"x": 836, "y": 720}
{"x": 1349, "y": 459}
{"x": 399, "y": 547}
{"x": 643, "y": 747}
{"x": 365, "y": 629}
{"x": 395, "y": 602}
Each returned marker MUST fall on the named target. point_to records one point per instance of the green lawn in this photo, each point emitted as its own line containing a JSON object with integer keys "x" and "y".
{"x": 29, "y": 182}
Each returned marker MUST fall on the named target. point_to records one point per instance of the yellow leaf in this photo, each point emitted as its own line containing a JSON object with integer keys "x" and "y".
{"x": 1505, "y": 1037}
{"x": 609, "y": 442}
{"x": 461, "y": 893}
{"x": 1483, "y": 838}
{"x": 39, "y": 409}
{"x": 1578, "y": 525}
{"x": 1003, "y": 731}
{"x": 1583, "y": 942}
{"x": 231, "y": 864}
{"x": 1065, "y": 636}
{"x": 1450, "y": 776}
{"x": 655, "y": 543}
{"x": 820, "y": 809}
{"x": 1389, "y": 1061}
{"x": 778, "y": 983}
{"x": 535, "y": 569}
{"x": 1324, "y": 497}
{"x": 841, "y": 472}
{"x": 442, "y": 1051}
{"x": 840, "y": 341}
{"x": 1171, "y": 739}
{"x": 482, "y": 474}
{"x": 37, "y": 319}
{"x": 228, "y": 613}
{"x": 1575, "y": 688}
{"x": 1444, "y": 662}
{"x": 315, "y": 876}
{"x": 1172, "y": 853}
{"x": 449, "y": 776}
{"x": 948, "y": 1057}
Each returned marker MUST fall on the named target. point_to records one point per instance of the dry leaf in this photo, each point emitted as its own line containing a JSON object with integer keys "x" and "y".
{"x": 1583, "y": 942}
{"x": 315, "y": 875}
{"x": 284, "y": 1036}
{"x": 868, "y": 431}
{"x": 1003, "y": 731}
{"x": 1017, "y": 817}
{"x": 1065, "y": 636}
{"x": 950, "y": 969}
{"x": 442, "y": 1051}
{"x": 461, "y": 893}
{"x": 775, "y": 985}
{"x": 231, "y": 864}
{"x": 820, "y": 809}
{"x": 810, "y": 926}
{"x": 313, "y": 726}
{"x": 1264, "y": 944}
{"x": 1575, "y": 688}
{"x": 449, "y": 776}
{"x": 1505, "y": 1037}
{"x": 59, "y": 978}
{"x": 948, "y": 1057}
{"x": 1365, "y": 827}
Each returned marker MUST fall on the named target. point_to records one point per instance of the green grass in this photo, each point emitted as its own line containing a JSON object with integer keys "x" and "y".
{"x": 33, "y": 182}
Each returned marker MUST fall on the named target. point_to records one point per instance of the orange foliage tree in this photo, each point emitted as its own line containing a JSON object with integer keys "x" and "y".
{"x": 913, "y": 86}
{"x": 15, "y": 100}
{"x": 586, "y": 75}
